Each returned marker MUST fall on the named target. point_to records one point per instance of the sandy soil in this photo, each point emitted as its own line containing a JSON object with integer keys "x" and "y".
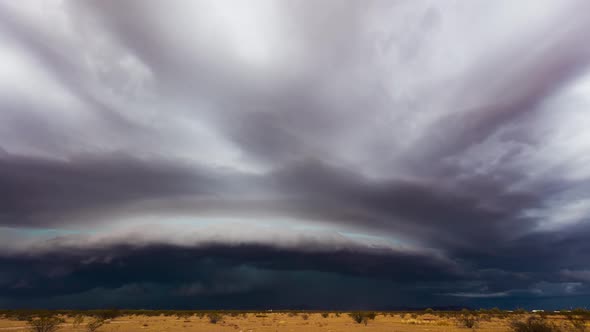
{"x": 274, "y": 322}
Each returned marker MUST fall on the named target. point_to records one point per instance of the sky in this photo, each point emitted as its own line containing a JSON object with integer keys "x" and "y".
{"x": 294, "y": 154}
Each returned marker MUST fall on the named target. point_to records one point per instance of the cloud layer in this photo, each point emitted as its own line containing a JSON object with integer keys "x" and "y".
{"x": 212, "y": 154}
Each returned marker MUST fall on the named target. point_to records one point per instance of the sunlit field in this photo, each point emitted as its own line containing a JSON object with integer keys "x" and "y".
{"x": 429, "y": 320}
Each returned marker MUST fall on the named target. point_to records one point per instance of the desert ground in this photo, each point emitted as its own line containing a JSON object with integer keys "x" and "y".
{"x": 288, "y": 322}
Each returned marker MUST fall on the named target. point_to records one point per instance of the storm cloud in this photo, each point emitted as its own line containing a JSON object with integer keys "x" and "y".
{"x": 214, "y": 154}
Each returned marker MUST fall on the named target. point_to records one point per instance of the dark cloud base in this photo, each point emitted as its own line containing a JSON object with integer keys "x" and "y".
{"x": 252, "y": 277}
{"x": 74, "y": 270}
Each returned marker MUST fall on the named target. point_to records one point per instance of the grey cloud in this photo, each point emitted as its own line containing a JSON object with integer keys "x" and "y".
{"x": 67, "y": 69}
{"x": 577, "y": 275}
{"x": 41, "y": 192}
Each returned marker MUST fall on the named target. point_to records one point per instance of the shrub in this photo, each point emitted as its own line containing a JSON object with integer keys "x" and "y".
{"x": 45, "y": 324}
{"x": 580, "y": 312}
{"x": 22, "y": 315}
{"x": 357, "y": 316}
{"x": 533, "y": 324}
{"x": 468, "y": 321}
{"x": 325, "y": 314}
{"x": 429, "y": 311}
{"x": 78, "y": 319}
{"x": 577, "y": 323}
{"x": 362, "y": 317}
{"x": 305, "y": 316}
{"x": 106, "y": 314}
{"x": 496, "y": 311}
{"x": 214, "y": 317}
{"x": 184, "y": 314}
{"x": 95, "y": 324}
{"x": 485, "y": 318}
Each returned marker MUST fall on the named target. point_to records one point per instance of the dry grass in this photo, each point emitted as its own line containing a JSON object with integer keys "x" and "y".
{"x": 276, "y": 322}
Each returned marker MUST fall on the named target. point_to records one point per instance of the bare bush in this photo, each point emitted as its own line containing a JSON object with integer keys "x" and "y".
{"x": 214, "y": 317}
{"x": 107, "y": 314}
{"x": 45, "y": 324}
{"x": 468, "y": 321}
{"x": 78, "y": 320}
{"x": 533, "y": 324}
{"x": 95, "y": 324}
{"x": 362, "y": 316}
{"x": 577, "y": 323}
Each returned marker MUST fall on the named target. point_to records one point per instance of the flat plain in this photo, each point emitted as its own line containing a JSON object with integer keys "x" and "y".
{"x": 287, "y": 322}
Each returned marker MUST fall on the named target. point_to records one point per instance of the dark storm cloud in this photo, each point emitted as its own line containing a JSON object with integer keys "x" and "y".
{"x": 400, "y": 122}
{"x": 64, "y": 271}
{"x": 258, "y": 273}
{"x": 431, "y": 209}
{"x": 39, "y": 192}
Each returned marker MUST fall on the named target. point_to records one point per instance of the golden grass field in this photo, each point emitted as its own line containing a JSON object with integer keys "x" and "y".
{"x": 274, "y": 322}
